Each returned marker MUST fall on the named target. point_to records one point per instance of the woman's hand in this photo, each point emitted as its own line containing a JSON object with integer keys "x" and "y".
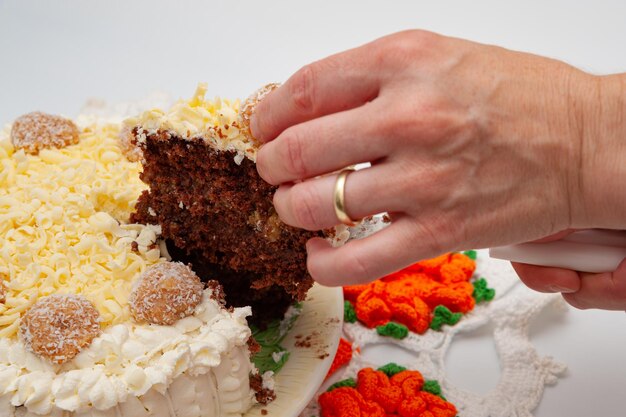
{"x": 470, "y": 145}
{"x": 580, "y": 289}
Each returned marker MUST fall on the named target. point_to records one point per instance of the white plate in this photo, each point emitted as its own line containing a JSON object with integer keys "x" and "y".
{"x": 296, "y": 384}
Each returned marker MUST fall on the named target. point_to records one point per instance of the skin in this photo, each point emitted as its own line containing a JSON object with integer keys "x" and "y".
{"x": 471, "y": 146}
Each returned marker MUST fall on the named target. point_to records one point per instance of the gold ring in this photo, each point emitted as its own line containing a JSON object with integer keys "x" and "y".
{"x": 339, "y": 198}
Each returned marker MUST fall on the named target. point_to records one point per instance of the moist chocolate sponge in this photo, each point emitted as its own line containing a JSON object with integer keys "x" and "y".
{"x": 218, "y": 216}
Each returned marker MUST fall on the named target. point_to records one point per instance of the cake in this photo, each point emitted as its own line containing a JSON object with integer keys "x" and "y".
{"x": 96, "y": 319}
{"x": 215, "y": 211}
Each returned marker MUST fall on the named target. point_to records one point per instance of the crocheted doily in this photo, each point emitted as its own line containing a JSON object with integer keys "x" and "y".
{"x": 524, "y": 372}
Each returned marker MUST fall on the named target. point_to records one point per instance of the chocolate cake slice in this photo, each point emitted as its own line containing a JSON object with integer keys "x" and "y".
{"x": 215, "y": 211}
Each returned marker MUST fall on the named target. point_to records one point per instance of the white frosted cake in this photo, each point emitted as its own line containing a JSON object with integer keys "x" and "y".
{"x": 94, "y": 318}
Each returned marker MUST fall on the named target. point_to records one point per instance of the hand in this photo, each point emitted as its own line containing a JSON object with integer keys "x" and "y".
{"x": 580, "y": 289}
{"x": 471, "y": 146}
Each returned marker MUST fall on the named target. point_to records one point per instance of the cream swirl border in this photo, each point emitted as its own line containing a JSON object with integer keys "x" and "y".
{"x": 127, "y": 360}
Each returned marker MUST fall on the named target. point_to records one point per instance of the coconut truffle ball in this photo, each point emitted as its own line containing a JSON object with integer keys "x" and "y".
{"x": 249, "y": 106}
{"x": 36, "y": 131}
{"x": 59, "y": 326}
{"x": 165, "y": 293}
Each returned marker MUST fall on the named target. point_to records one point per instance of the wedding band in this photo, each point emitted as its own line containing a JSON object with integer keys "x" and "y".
{"x": 339, "y": 198}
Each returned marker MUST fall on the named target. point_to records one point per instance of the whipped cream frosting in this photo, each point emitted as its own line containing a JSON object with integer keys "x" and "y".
{"x": 217, "y": 122}
{"x": 129, "y": 360}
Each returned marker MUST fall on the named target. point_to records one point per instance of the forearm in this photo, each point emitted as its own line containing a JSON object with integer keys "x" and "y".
{"x": 603, "y": 154}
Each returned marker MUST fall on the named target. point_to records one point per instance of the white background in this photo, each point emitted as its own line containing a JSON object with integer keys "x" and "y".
{"x": 54, "y": 55}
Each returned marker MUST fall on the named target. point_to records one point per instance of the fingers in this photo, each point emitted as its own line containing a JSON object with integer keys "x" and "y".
{"x": 323, "y": 145}
{"x": 606, "y": 291}
{"x": 339, "y": 82}
{"x": 364, "y": 260}
{"x": 309, "y": 204}
{"x": 545, "y": 279}
{"x": 581, "y": 290}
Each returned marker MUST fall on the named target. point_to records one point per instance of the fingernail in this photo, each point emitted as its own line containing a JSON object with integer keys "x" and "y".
{"x": 254, "y": 127}
{"x": 561, "y": 289}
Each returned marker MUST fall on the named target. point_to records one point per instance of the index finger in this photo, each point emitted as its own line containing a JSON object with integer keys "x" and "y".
{"x": 339, "y": 82}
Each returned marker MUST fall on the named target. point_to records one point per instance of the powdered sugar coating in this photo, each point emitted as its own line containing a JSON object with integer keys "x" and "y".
{"x": 59, "y": 326}
{"x": 165, "y": 293}
{"x": 249, "y": 106}
{"x": 35, "y": 131}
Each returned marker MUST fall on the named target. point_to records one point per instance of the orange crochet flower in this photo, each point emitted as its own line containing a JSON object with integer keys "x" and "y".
{"x": 377, "y": 395}
{"x": 410, "y": 382}
{"x": 347, "y": 402}
{"x": 342, "y": 357}
{"x": 409, "y": 296}
{"x": 375, "y": 386}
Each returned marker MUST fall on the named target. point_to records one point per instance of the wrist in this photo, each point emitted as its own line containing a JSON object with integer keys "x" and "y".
{"x": 602, "y": 167}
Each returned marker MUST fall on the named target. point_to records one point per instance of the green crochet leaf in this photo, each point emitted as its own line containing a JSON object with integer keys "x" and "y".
{"x": 349, "y": 314}
{"x": 472, "y": 254}
{"x": 393, "y": 329}
{"x": 442, "y": 315}
{"x": 482, "y": 292}
{"x": 349, "y": 382}
{"x": 432, "y": 386}
{"x": 391, "y": 369}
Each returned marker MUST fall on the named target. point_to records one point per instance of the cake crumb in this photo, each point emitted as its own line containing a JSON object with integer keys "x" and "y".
{"x": 315, "y": 342}
{"x": 253, "y": 346}
{"x": 278, "y": 356}
{"x": 263, "y": 412}
{"x": 263, "y": 395}
{"x": 217, "y": 292}
{"x": 304, "y": 341}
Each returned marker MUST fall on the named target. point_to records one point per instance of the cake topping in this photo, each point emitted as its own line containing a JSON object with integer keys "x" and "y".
{"x": 249, "y": 106}
{"x": 59, "y": 326}
{"x": 129, "y": 147}
{"x": 36, "y": 131}
{"x": 64, "y": 225}
{"x": 3, "y": 289}
{"x": 216, "y": 122}
{"x": 165, "y": 293}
